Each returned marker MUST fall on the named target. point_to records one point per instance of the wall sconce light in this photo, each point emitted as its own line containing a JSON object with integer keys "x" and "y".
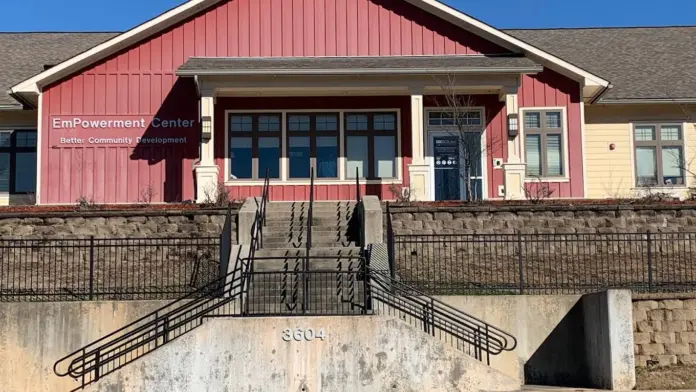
{"x": 513, "y": 125}
{"x": 207, "y": 126}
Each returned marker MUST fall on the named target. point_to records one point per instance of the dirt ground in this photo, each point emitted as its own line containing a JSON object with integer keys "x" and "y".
{"x": 669, "y": 378}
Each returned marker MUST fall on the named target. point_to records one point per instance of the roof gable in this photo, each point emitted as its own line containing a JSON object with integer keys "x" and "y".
{"x": 383, "y": 25}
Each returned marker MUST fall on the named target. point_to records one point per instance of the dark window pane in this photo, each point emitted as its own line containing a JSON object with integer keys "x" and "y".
{"x": 25, "y": 172}
{"x": 269, "y": 123}
{"x": 4, "y": 172}
{"x": 299, "y": 154}
{"x": 553, "y": 119}
{"x": 532, "y": 120}
{"x": 240, "y": 157}
{"x": 356, "y": 154}
{"x": 327, "y": 122}
{"x": 241, "y": 124}
{"x": 672, "y": 159}
{"x": 5, "y": 140}
{"x": 646, "y": 166}
{"x": 298, "y": 123}
{"x": 670, "y": 132}
{"x": 356, "y": 122}
{"x": 532, "y": 147}
{"x": 269, "y": 157}
{"x": 385, "y": 157}
{"x": 327, "y": 157}
{"x": 645, "y": 133}
{"x": 385, "y": 122}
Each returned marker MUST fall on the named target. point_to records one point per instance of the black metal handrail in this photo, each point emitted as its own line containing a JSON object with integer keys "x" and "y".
{"x": 390, "y": 244}
{"x": 139, "y": 338}
{"x": 308, "y": 245}
{"x": 361, "y": 212}
{"x": 454, "y": 326}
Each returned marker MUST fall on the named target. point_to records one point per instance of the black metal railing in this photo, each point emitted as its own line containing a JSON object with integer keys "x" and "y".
{"x": 391, "y": 253}
{"x": 87, "y": 365}
{"x": 106, "y": 268}
{"x": 462, "y": 331}
{"x": 545, "y": 263}
{"x": 308, "y": 244}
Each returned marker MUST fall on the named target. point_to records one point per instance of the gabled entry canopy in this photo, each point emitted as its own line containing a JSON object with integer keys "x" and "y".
{"x": 411, "y": 65}
{"x": 29, "y": 89}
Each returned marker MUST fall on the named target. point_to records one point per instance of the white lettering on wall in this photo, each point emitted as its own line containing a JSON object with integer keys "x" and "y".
{"x": 78, "y": 122}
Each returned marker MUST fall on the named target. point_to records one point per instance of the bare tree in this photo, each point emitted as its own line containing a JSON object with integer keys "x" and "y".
{"x": 464, "y": 123}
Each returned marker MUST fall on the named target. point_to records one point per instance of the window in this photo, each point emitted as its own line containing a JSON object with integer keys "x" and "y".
{"x": 543, "y": 143}
{"x": 659, "y": 154}
{"x": 254, "y": 145}
{"x": 18, "y": 161}
{"x": 371, "y": 145}
{"x": 313, "y": 143}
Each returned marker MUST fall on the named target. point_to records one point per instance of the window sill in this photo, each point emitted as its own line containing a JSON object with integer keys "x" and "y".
{"x": 547, "y": 179}
{"x": 316, "y": 182}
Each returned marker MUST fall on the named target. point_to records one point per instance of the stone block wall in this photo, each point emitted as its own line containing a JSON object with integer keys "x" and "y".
{"x": 664, "y": 330}
{"x": 542, "y": 219}
{"x": 114, "y": 224}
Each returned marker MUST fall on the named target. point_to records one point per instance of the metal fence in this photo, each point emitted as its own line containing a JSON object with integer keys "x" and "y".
{"x": 106, "y": 269}
{"x": 545, "y": 263}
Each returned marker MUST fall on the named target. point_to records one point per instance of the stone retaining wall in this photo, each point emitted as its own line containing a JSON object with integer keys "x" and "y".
{"x": 542, "y": 219}
{"x": 664, "y": 330}
{"x": 114, "y": 224}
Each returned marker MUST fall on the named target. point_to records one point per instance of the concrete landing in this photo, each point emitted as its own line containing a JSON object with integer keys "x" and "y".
{"x": 357, "y": 354}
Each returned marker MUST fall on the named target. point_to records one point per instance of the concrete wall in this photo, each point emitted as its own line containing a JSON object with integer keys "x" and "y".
{"x": 608, "y": 339}
{"x": 553, "y": 341}
{"x": 358, "y": 354}
{"x": 34, "y": 335}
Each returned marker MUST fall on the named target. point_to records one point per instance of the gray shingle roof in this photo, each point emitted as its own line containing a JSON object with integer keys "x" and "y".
{"x": 641, "y": 63}
{"x": 345, "y": 65}
{"x": 23, "y": 55}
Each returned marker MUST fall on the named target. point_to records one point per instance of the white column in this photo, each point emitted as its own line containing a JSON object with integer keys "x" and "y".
{"x": 514, "y": 167}
{"x": 419, "y": 170}
{"x": 207, "y": 171}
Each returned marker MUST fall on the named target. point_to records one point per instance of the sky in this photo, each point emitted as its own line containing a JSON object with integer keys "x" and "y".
{"x": 119, "y": 15}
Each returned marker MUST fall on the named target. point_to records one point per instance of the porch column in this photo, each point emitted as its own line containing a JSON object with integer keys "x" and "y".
{"x": 207, "y": 171}
{"x": 514, "y": 167}
{"x": 419, "y": 170}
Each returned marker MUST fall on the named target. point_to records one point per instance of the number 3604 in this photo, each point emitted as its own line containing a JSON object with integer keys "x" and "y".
{"x": 302, "y": 335}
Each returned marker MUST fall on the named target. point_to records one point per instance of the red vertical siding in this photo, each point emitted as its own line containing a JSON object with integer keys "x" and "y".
{"x": 550, "y": 89}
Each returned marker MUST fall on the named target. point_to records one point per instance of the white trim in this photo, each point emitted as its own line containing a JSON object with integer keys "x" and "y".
{"x": 582, "y": 146}
{"x": 342, "y": 161}
{"x": 459, "y": 16}
{"x": 566, "y": 150}
{"x": 39, "y": 155}
{"x": 440, "y": 129}
{"x": 169, "y": 18}
{"x": 631, "y": 139}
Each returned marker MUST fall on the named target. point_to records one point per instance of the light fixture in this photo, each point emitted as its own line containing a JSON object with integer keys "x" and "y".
{"x": 207, "y": 126}
{"x": 513, "y": 125}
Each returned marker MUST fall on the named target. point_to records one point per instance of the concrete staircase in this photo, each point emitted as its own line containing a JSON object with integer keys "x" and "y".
{"x": 333, "y": 287}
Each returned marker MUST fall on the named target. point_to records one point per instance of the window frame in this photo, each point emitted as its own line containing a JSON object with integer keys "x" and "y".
{"x": 343, "y": 178}
{"x": 371, "y": 134}
{"x": 13, "y": 150}
{"x": 255, "y": 134}
{"x": 658, "y": 144}
{"x": 543, "y": 131}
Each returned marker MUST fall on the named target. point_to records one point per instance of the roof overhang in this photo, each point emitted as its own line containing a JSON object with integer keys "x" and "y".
{"x": 646, "y": 101}
{"x": 29, "y": 89}
{"x": 377, "y": 65}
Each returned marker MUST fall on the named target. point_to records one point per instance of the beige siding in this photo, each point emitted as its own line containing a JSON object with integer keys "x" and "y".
{"x": 610, "y": 172}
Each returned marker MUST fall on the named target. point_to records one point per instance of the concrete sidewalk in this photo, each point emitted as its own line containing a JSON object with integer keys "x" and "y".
{"x": 541, "y": 388}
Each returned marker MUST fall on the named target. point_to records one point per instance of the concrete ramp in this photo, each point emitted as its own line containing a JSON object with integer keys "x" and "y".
{"x": 366, "y": 354}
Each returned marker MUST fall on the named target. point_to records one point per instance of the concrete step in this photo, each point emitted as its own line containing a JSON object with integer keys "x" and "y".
{"x": 323, "y": 252}
{"x": 296, "y": 264}
{"x": 301, "y": 243}
{"x": 277, "y": 231}
{"x": 295, "y": 225}
{"x": 319, "y": 236}
{"x": 298, "y": 221}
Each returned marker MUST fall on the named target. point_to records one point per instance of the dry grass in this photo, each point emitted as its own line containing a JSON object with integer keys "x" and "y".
{"x": 668, "y": 378}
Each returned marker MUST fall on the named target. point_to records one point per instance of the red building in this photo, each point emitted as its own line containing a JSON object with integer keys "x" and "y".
{"x": 221, "y": 92}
